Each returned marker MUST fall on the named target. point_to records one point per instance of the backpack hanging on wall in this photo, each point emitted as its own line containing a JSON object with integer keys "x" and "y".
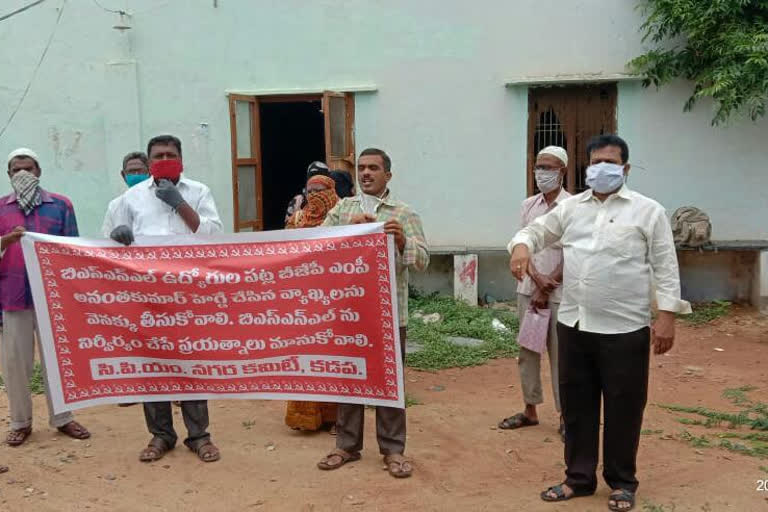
{"x": 691, "y": 228}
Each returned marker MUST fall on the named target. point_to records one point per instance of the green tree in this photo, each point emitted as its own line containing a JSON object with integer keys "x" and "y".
{"x": 719, "y": 45}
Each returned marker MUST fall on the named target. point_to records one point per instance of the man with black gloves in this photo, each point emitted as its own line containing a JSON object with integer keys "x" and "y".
{"x": 169, "y": 204}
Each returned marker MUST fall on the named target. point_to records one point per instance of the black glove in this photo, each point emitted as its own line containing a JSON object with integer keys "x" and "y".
{"x": 169, "y": 194}
{"x": 122, "y": 235}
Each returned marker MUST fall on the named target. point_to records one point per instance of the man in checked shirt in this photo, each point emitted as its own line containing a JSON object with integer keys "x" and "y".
{"x": 377, "y": 204}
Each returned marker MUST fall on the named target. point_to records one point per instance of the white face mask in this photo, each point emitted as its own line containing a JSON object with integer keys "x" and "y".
{"x": 605, "y": 177}
{"x": 547, "y": 180}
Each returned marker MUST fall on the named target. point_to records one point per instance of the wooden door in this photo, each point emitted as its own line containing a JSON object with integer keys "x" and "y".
{"x": 569, "y": 116}
{"x": 339, "y": 112}
{"x": 246, "y": 162}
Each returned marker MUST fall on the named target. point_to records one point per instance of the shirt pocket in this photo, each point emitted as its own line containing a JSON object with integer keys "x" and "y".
{"x": 626, "y": 242}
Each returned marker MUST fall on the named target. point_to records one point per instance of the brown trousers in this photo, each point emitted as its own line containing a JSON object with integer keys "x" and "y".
{"x": 390, "y": 423}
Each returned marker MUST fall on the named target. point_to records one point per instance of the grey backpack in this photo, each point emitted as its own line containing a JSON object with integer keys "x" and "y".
{"x": 691, "y": 227}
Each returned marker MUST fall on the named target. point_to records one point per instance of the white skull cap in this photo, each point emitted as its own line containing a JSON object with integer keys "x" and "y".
{"x": 557, "y": 152}
{"x": 23, "y": 152}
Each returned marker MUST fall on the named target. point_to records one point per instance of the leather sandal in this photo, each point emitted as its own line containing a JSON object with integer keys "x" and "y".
{"x": 17, "y": 437}
{"x": 207, "y": 452}
{"x": 75, "y": 430}
{"x": 336, "y": 459}
{"x": 519, "y": 420}
{"x": 398, "y": 466}
{"x": 155, "y": 450}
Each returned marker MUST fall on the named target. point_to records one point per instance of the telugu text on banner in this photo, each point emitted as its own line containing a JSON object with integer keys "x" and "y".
{"x": 292, "y": 315}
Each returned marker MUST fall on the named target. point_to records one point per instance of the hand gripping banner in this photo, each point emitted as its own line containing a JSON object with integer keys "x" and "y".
{"x": 306, "y": 314}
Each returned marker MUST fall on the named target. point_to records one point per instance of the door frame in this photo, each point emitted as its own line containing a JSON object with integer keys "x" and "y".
{"x": 346, "y": 161}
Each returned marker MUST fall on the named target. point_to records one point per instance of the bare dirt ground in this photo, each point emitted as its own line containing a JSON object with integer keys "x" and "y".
{"x": 462, "y": 462}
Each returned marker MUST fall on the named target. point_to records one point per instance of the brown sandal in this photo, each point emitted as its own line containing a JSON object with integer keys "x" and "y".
{"x": 17, "y": 437}
{"x": 155, "y": 450}
{"x": 398, "y": 466}
{"x": 207, "y": 452}
{"x": 75, "y": 430}
{"x": 336, "y": 459}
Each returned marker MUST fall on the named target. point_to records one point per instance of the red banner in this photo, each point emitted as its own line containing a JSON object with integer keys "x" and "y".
{"x": 297, "y": 315}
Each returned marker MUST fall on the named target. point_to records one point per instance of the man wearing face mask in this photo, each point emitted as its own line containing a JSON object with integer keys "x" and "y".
{"x": 614, "y": 240}
{"x": 28, "y": 208}
{"x": 541, "y": 289}
{"x": 135, "y": 170}
{"x": 169, "y": 204}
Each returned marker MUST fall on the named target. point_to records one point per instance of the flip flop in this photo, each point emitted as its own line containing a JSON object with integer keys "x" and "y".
{"x": 560, "y": 494}
{"x": 519, "y": 420}
{"x": 336, "y": 459}
{"x": 621, "y": 496}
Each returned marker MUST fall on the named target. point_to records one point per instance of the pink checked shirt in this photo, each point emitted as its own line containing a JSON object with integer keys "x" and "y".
{"x": 55, "y": 216}
{"x": 547, "y": 260}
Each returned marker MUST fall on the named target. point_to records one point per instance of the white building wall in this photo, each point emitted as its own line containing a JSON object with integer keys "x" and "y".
{"x": 457, "y": 136}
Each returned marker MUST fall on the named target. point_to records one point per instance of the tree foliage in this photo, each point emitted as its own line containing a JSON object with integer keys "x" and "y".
{"x": 719, "y": 45}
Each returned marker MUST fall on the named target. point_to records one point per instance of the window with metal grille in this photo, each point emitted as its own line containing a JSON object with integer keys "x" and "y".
{"x": 568, "y": 116}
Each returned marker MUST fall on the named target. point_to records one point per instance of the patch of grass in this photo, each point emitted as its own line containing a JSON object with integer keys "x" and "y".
{"x": 411, "y": 400}
{"x": 706, "y": 312}
{"x": 695, "y": 441}
{"x": 738, "y": 395}
{"x": 458, "y": 319}
{"x": 758, "y": 449}
{"x": 752, "y": 414}
{"x": 649, "y": 506}
{"x": 755, "y": 436}
{"x": 648, "y": 432}
{"x": 689, "y": 421}
{"x": 714, "y": 417}
{"x": 36, "y": 385}
{"x": 248, "y": 425}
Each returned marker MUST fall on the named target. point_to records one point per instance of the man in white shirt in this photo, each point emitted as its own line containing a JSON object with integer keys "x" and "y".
{"x": 614, "y": 240}
{"x": 169, "y": 204}
{"x": 541, "y": 289}
{"x": 135, "y": 170}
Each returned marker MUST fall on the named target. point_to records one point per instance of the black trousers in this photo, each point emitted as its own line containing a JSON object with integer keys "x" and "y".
{"x": 390, "y": 423}
{"x": 616, "y": 367}
{"x": 159, "y": 417}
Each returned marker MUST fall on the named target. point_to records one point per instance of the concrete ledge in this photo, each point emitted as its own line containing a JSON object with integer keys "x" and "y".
{"x": 440, "y": 250}
{"x": 732, "y": 245}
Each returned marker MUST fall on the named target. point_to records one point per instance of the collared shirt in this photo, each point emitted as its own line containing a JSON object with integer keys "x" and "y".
{"x": 107, "y": 226}
{"x": 550, "y": 258}
{"x": 611, "y": 250}
{"x": 55, "y": 216}
{"x": 416, "y": 253}
{"x": 141, "y": 210}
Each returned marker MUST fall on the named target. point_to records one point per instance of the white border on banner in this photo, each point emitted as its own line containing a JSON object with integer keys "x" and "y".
{"x": 46, "y": 331}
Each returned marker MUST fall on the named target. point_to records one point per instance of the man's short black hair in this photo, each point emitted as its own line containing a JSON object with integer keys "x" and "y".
{"x": 165, "y": 140}
{"x": 136, "y": 155}
{"x": 378, "y": 152}
{"x": 609, "y": 139}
